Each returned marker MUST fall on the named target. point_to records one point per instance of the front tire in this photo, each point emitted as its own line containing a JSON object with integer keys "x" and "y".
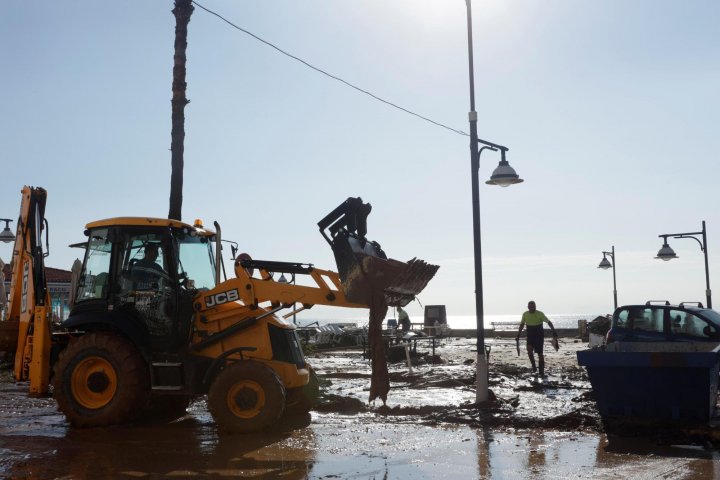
{"x": 100, "y": 379}
{"x": 246, "y": 397}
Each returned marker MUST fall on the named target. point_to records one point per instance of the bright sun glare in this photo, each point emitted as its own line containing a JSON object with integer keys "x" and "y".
{"x": 440, "y": 14}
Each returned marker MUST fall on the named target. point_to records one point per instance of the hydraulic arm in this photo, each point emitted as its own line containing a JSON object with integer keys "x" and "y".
{"x": 362, "y": 266}
{"x": 254, "y": 291}
{"x": 29, "y": 298}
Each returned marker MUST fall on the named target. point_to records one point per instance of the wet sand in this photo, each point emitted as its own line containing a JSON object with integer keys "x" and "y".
{"x": 427, "y": 430}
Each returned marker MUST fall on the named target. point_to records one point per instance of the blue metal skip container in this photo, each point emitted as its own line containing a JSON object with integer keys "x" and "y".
{"x": 675, "y": 381}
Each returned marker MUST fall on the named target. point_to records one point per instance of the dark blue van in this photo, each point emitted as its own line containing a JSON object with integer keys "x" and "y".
{"x": 663, "y": 322}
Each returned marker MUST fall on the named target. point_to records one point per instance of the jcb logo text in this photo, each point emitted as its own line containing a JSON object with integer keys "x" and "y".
{"x": 220, "y": 298}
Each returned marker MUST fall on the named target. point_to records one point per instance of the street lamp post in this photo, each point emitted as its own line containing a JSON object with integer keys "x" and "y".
{"x": 503, "y": 175}
{"x": 6, "y": 236}
{"x": 605, "y": 264}
{"x": 667, "y": 253}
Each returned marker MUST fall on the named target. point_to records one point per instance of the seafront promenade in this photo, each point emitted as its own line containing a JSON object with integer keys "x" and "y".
{"x": 508, "y": 332}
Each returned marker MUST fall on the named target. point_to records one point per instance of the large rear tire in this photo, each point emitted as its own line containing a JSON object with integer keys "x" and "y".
{"x": 100, "y": 379}
{"x": 246, "y": 397}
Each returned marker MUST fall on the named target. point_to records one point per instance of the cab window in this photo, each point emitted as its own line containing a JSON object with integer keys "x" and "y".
{"x": 622, "y": 319}
{"x": 646, "y": 319}
{"x": 196, "y": 264}
{"x": 680, "y": 322}
{"x": 685, "y": 323}
{"x": 145, "y": 261}
{"x": 147, "y": 289}
{"x": 94, "y": 279}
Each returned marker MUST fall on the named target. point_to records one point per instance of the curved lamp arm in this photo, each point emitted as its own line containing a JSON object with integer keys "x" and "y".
{"x": 691, "y": 235}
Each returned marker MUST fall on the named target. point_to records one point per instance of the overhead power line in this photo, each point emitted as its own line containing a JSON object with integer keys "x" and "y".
{"x": 334, "y": 77}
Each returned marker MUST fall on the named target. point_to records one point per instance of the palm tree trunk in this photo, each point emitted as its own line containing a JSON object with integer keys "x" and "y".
{"x": 182, "y": 11}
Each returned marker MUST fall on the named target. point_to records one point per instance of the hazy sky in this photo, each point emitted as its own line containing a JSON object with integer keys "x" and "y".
{"x": 610, "y": 110}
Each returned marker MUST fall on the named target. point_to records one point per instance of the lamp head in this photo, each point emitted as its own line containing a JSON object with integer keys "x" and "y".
{"x": 6, "y": 236}
{"x": 666, "y": 253}
{"x": 504, "y": 175}
{"x": 605, "y": 263}
{"x": 282, "y": 278}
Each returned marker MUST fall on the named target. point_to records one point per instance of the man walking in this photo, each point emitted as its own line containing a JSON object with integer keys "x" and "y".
{"x": 534, "y": 319}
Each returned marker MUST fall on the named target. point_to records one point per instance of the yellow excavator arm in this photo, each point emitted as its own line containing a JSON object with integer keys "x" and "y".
{"x": 362, "y": 264}
{"x": 30, "y": 305}
{"x": 254, "y": 291}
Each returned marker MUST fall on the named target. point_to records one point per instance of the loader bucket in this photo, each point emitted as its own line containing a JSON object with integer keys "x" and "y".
{"x": 363, "y": 266}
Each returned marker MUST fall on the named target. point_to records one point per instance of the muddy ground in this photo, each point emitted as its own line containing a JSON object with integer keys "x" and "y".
{"x": 429, "y": 428}
{"x": 442, "y": 388}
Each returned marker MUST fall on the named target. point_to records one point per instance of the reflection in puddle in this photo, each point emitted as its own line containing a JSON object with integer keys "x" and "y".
{"x": 336, "y": 446}
{"x": 186, "y": 448}
{"x": 535, "y": 454}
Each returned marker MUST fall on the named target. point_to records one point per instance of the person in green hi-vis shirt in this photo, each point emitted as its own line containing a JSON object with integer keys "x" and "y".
{"x": 534, "y": 319}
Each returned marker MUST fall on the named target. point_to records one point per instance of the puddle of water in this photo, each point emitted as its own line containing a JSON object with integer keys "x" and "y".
{"x": 16, "y": 407}
{"x": 406, "y": 451}
{"x": 337, "y": 446}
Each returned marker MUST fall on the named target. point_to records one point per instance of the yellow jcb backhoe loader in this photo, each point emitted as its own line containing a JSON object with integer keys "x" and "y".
{"x": 153, "y": 325}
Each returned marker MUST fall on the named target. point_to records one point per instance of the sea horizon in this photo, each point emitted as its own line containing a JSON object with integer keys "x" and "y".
{"x": 461, "y": 322}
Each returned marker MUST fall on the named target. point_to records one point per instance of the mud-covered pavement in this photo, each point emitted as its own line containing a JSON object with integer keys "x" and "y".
{"x": 442, "y": 388}
{"x": 428, "y": 429}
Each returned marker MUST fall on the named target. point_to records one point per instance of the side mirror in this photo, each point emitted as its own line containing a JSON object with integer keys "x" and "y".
{"x": 709, "y": 331}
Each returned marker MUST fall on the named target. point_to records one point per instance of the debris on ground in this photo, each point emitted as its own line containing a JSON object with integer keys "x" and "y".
{"x": 379, "y": 382}
{"x": 599, "y": 326}
{"x": 441, "y": 388}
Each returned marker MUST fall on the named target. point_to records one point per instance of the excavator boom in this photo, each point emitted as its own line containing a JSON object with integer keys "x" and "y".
{"x": 29, "y": 306}
{"x": 253, "y": 290}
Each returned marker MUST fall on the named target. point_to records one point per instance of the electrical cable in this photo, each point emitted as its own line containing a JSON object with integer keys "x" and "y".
{"x": 334, "y": 77}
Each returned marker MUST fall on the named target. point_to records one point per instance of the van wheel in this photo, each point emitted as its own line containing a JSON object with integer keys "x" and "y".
{"x": 246, "y": 397}
{"x": 100, "y": 379}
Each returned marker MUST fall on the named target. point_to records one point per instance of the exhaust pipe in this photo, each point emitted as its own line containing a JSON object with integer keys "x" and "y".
{"x": 218, "y": 252}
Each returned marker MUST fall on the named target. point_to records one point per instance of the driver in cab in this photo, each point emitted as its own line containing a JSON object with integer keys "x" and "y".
{"x": 146, "y": 273}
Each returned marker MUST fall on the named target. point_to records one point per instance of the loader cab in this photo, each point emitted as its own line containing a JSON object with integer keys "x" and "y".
{"x": 140, "y": 276}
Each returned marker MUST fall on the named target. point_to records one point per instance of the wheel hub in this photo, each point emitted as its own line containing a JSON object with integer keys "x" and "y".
{"x": 93, "y": 382}
{"x": 246, "y": 398}
{"x": 98, "y": 382}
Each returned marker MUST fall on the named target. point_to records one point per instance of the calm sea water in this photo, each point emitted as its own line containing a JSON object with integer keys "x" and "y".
{"x": 565, "y": 320}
